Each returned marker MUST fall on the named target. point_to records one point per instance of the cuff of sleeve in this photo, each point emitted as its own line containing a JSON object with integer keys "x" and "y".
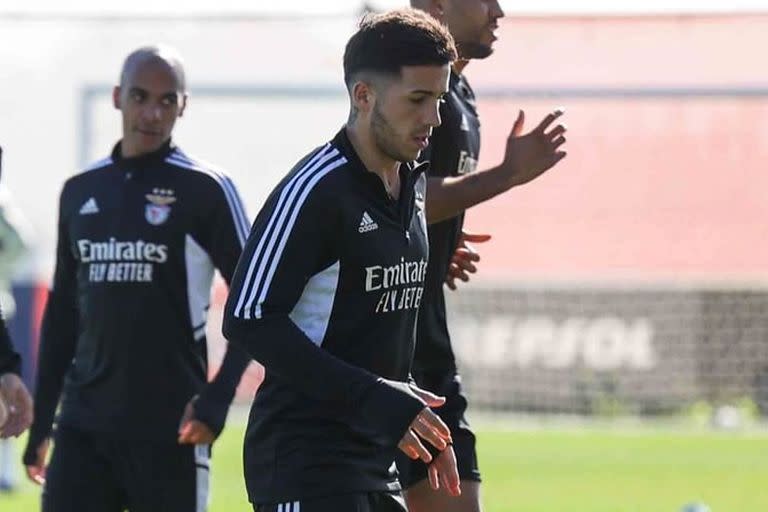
{"x": 212, "y": 407}
{"x": 11, "y": 364}
{"x": 34, "y": 440}
{"x": 389, "y": 408}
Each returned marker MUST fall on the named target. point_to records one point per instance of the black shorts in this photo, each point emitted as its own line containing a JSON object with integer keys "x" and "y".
{"x": 448, "y": 385}
{"x": 361, "y": 502}
{"x": 90, "y": 472}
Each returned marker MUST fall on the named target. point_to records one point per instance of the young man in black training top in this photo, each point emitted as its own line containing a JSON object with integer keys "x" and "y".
{"x": 327, "y": 290}
{"x": 454, "y": 185}
{"x": 123, "y": 338}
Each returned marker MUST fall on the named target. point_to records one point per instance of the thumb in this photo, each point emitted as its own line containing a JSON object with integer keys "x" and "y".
{"x": 517, "y": 127}
{"x": 189, "y": 413}
{"x": 430, "y": 399}
{"x": 475, "y": 237}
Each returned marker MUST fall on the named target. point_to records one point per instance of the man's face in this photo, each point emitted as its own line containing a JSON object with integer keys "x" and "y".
{"x": 473, "y": 24}
{"x": 150, "y": 101}
{"x": 406, "y": 109}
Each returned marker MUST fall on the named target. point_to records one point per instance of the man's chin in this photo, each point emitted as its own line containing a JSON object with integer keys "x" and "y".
{"x": 470, "y": 51}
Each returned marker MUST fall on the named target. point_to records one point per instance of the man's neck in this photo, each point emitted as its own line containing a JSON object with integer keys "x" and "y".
{"x": 459, "y": 65}
{"x": 373, "y": 159}
{"x": 126, "y": 151}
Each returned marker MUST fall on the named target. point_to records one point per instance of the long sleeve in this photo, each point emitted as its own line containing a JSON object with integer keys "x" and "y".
{"x": 58, "y": 339}
{"x": 293, "y": 239}
{"x": 10, "y": 362}
{"x": 223, "y": 235}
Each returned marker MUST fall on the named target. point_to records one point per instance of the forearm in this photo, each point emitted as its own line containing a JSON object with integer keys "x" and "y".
{"x": 381, "y": 408}
{"x": 448, "y": 197}
{"x": 213, "y": 403}
{"x": 57, "y": 348}
{"x": 279, "y": 345}
{"x": 10, "y": 362}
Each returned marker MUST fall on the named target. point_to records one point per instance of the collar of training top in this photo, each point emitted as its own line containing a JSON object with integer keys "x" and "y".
{"x": 147, "y": 159}
{"x": 341, "y": 141}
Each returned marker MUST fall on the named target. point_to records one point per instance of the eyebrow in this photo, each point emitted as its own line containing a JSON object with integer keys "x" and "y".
{"x": 440, "y": 95}
{"x": 169, "y": 94}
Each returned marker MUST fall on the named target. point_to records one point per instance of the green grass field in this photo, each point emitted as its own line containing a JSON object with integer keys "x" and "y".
{"x": 559, "y": 470}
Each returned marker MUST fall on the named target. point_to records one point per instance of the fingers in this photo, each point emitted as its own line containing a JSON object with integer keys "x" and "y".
{"x": 434, "y": 477}
{"x": 465, "y": 259}
{"x": 443, "y": 472}
{"x": 189, "y": 414}
{"x": 475, "y": 237}
{"x": 517, "y": 127}
{"x": 431, "y": 428}
{"x": 19, "y": 408}
{"x": 36, "y": 474}
{"x": 411, "y": 446}
{"x": 196, "y": 432}
{"x": 556, "y": 132}
{"x": 559, "y": 141}
{"x": 465, "y": 253}
{"x": 449, "y": 472}
{"x": 454, "y": 273}
{"x": 430, "y": 399}
{"x": 548, "y": 120}
{"x": 429, "y": 434}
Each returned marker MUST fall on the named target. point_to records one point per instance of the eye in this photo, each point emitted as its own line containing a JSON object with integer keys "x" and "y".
{"x": 418, "y": 100}
{"x": 137, "y": 96}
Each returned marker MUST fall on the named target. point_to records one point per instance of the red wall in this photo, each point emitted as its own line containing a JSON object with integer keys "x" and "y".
{"x": 659, "y": 188}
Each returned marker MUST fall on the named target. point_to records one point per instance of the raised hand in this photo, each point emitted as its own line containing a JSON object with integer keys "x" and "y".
{"x": 529, "y": 156}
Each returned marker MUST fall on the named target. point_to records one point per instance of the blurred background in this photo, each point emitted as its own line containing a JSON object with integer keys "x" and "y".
{"x": 623, "y": 293}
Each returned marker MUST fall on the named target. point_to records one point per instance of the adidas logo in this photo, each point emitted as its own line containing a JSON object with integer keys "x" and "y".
{"x": 89, "y": 207}
{"x": 367, "y": 224}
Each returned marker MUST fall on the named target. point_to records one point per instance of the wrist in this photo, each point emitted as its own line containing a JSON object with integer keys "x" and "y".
{"x": 507, "y": 177}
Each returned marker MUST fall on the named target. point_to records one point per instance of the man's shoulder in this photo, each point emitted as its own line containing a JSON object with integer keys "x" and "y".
{"x": 317, "y": 169}
{"x": 200, "y": 176}
{"x": 88, "y": 174}
{"x": 196, "y": 168}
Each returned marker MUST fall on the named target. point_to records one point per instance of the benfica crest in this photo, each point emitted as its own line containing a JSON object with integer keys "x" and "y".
{"x": 158, "y": 209}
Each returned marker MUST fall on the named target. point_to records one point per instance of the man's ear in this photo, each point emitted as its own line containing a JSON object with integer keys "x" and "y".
{"x": 363, "y": 96}
{"x": 183, "y": 105}
{"x": 116, "y": 91}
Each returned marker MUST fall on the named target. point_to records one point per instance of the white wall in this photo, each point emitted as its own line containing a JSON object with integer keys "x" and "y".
{"x": 49, "y": 63}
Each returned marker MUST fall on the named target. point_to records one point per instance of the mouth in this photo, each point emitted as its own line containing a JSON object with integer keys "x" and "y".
{"x": 147, "y": 133}
{"x": 492, "y": 30}
{"x": 422, "y": 141}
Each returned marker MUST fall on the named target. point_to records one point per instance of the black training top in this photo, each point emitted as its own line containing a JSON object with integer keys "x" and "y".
{"x": 453, "y": 151}
{"x": 326, "y": 297}
{"x": 9, "y": 359}
{"x": 124, "y": 327}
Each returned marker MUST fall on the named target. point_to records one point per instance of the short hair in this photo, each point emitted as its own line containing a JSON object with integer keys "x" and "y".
{"x": 386, "y": 42}
{"x": 155, "y": 53}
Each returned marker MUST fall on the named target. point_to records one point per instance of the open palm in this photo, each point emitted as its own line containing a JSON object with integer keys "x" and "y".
{"x": 530, "y": 155}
